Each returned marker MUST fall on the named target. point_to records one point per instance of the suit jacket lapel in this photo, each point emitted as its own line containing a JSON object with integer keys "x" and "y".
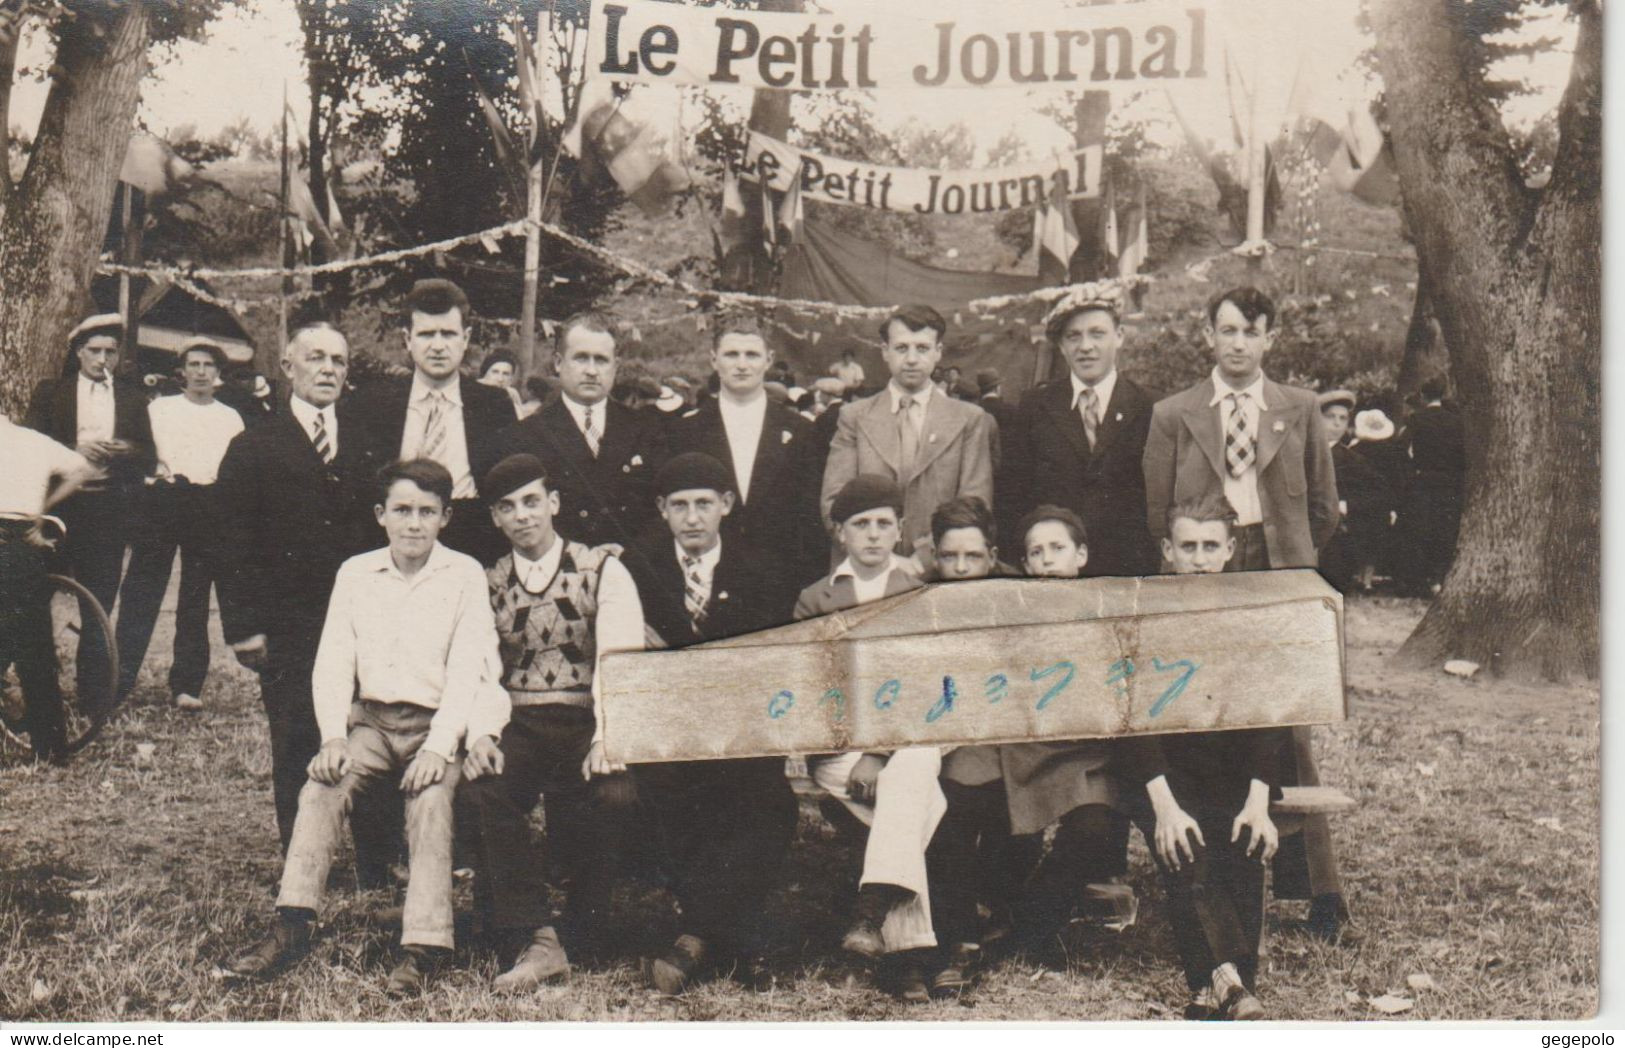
{"x": 1114, "y": 415}
{"x": 1059, "y": 405}
{"x": 879, "y": 424}
{"x": 566, "y": 436}
{"x": 942, "y": 424}
{"x": 1202, "y": 419}
{"x": 618, "y": 431}
{"x": 1272, "y": 423}
{"x": 67, "y": 411}
{"x": 770, "y": 447}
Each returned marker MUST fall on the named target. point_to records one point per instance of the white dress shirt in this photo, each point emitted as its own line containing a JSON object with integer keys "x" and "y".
{"x": 867, "y": 590}
{"x": 600, "y": 415}
{"x": 32, "y": 459}
{"x": 305, "y": 413}
{"x": 190, "y": 438}
{"x": 95, "y": 417}
{"x": 917, "y": 413}
{"x": 618, "y": 626}
{"x": 742, "y": 423}
{"x": 1103, "y": 393}
{"x": 1242, "y": 491}
{"x": 455, "y": 455}
{"x": 427, "y": 640}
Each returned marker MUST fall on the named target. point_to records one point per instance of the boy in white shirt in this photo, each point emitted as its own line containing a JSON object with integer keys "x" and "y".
{"x": 410, "y": 638}
{"x": 190, "y": 432}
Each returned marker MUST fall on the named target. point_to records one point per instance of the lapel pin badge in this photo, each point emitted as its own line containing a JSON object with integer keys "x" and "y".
{"x": 1279, "y": 427}
{"x": 637, "y": 460}
{"x": 784, "y": 436}
{"x": 723, "y": 595}
{"x": 932, "y": 439}
{"x": 1117, "y": 417}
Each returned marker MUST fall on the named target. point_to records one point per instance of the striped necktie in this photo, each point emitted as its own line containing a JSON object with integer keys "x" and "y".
{"x": 322, "y": 439}
{"x": 908, "y": 434}
{"x": 1091, "y": 414}
{"x": 696, "y": 591}
{"x": 589, "y": 429}
{"x": 434, "y": 429}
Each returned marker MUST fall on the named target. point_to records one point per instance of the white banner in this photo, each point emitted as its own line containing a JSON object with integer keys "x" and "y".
{"x": 1106, "y": 47}
{"x": 920, "y": 191}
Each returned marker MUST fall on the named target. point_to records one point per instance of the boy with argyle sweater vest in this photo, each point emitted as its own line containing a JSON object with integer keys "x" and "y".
{"x": 558, "y": 605}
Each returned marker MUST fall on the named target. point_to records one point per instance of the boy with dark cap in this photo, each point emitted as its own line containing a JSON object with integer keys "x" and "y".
{"x": 725, "y": 824}
{"x": 895, "y": 794}
{"x": 558, "y": 606}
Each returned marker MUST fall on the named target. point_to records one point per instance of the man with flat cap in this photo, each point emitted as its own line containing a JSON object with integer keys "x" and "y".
{"x": 559, "y": 604}
{"x": 725, "y": 824}
{"x": 104, "y": 418}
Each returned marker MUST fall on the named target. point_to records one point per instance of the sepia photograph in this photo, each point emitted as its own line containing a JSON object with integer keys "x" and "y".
{"x": 799, "y": 511}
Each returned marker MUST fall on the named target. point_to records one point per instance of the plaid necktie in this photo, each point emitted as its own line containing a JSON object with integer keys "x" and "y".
{"x": 1091, "y": 414}
{"x": 696, "y": 591}
{"x": 908, "y": 435}
{"x": 589, "y": 429}
{"x": 1238, "y": 439}
{"x": 322, "y": 440}
{"x": 434, "y": 430}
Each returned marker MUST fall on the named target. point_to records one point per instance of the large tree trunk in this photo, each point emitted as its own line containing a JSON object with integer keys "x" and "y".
{"x": 53, "y": 221}
{"x": 1425, "y": 355}
{"x": 1517, "y": 288}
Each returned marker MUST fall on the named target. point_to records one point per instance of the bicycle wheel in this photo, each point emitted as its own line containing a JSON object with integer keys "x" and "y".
{"x": 75, "y": 614}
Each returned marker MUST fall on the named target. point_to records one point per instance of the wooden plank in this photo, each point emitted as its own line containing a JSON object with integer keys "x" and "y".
{"x": 1312, "y": 800}
{"x": 998, "y": 660}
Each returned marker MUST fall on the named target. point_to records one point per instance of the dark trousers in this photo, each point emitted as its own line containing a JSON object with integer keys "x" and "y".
{"x": 26, "y": 640}
{"x": 974, "y": 858}
{"x": 98, "y": 526}
{"x": 1306, "y": 865}
{"x": 1090, "y": 846}
{"x": 726, "y": 827}
{"x": 543, "y": 748}
{"x": 291, "y": 713}
{"x": 177, "y": 516}
{"x": 1215, "y": 903}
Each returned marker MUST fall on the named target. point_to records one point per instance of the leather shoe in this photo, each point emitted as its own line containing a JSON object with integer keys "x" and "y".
{"x": 753, "y": 970}
{"x": 673, "y": 971}
{"x": 911, "y": 985}
{"x": 864, "y": 939}
{"x": 1232, "y": 999}
{"x": 542, "y": 960}
{"x": 412, "y": 974}
{"x": 286, "y": 944}
{"x": 956, "y": 979}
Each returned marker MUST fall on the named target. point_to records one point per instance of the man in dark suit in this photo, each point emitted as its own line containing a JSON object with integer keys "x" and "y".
{"x": 441, "y": 414}
{"x": 769, "y": 452}
{"x": 294, "y": 494}
{"x": 1432, "y": 512}
{"x": 1262, "y": 445}
{"x": 600, "y": 456}
{"x": 726, "y": 824}
{"x": 1077, "y": 442}
{"x": 105, "y": 420}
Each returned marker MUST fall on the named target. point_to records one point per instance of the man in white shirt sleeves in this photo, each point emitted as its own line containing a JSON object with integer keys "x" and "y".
{"x": 190, "y": 432}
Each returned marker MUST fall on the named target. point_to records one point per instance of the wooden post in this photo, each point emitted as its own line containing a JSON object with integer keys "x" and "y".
{"x": 1090, "y": 261}
{"x": 528, "y": 364}
{"x": 282, "y": 229}
{"x": 130, "y": 252}
{"x": 1256, "y": 163}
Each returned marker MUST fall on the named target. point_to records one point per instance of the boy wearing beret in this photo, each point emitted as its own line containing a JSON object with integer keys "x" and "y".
{"x": 725, "y": 824}
{"x": 895, "y": 794}
{"x": 558, "y": 605}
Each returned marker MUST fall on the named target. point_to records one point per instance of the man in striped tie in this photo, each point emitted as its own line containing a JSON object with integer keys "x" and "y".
{"x": 1262, "y": 446}
{"x": 725, "y": 824}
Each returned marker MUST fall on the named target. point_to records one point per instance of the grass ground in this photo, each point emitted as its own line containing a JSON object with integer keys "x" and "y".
{"x": 1471, "y": 860}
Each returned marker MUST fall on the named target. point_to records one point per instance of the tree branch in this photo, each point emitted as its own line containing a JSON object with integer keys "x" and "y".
{"x": 1577, "y": 165}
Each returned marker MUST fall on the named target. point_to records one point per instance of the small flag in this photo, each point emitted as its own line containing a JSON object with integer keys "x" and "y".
{"x": 1136, "y": 247}
{"x": 1108, "y": 216}
{"x": 1057, "y": 238}
{"x": 770, "y": 232}
{"x": 791, "y": 216}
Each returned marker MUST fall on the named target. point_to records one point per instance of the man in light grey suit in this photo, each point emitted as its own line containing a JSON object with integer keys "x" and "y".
{"x": 933, "y": 447}
{"x": 1262, "y": 446}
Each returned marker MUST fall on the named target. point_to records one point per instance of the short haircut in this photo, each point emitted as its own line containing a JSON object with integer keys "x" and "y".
{"x": 216, "y": 354}
{"x": 314, "y": 324}
{"x": 427, "y": 474}
{"x": 1202, "y": 509}
{"x": 1056, "y": 327}
{"x": 915, "y": 318}
{"x": 1048, "y": 512}
{"x": 432, "y": 297}
{"x": 737, "y": 322}
{"x": 1252, "y": 303}
{"x": 495, "y": 357}
{"x": 586, "y": 320}
{"x": 966, "y": 511}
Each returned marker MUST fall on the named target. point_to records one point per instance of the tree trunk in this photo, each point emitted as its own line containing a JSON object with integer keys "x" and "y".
{"x": 1425, "y": 356}
{"x": 53, "y": 221}
{"x": 1517, "y": 287}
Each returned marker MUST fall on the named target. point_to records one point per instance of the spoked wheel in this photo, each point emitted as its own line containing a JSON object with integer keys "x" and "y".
{"x": 85, "y": 651}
